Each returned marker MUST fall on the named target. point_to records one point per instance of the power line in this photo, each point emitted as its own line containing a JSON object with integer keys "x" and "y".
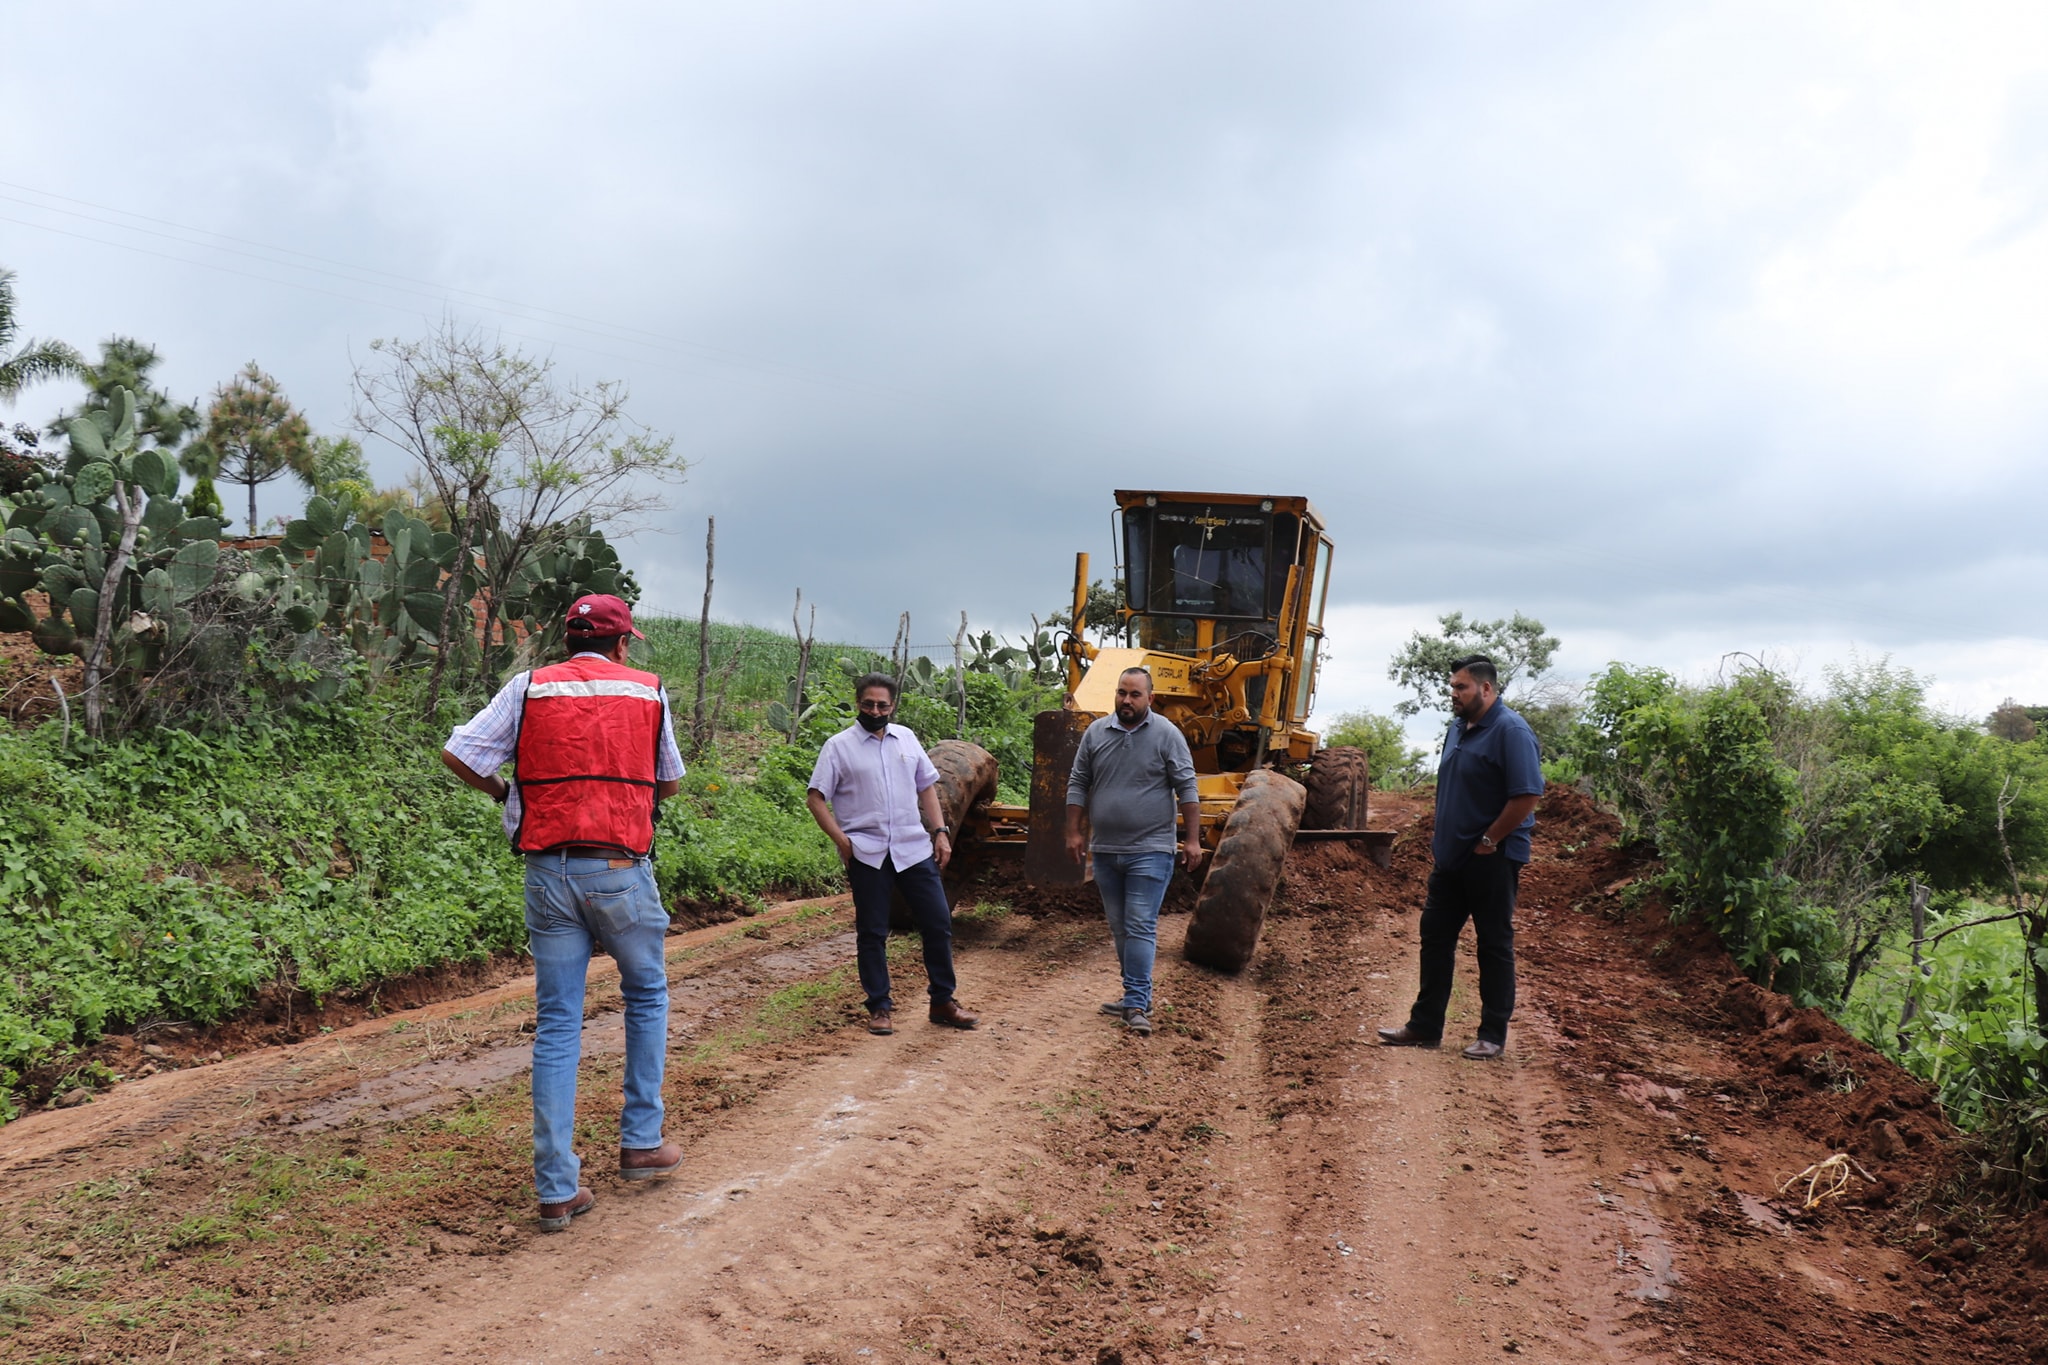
{"x": 306, "y": 288}
{"x": 413, "y": 286}
{"x": 373, "y": 278}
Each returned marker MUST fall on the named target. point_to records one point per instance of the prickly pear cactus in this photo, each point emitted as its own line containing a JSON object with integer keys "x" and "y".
{"x": 124, "y": 571}
{"x": 578, "y": 562}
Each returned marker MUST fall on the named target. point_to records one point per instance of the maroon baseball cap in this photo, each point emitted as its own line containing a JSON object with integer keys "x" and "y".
{"x": 601, "y": 614}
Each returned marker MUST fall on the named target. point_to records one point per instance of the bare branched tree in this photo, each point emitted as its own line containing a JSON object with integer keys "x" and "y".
{"x": 513, "y": 454}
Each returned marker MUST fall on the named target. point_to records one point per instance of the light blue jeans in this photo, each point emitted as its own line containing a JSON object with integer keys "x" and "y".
{"x": 1133, "y": 886}
{"x": 575, "y": 906}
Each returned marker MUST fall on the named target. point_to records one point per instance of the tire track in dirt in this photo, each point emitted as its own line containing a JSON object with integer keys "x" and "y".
{"x": 1400, "y": 1209}
{"x": 807, "y": 1230}
{"x": 399, "y": 1064}
{"x": 1048, "y": 1188}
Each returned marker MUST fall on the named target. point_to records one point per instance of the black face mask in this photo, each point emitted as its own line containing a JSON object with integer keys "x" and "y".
{"x": 872, "y": 723}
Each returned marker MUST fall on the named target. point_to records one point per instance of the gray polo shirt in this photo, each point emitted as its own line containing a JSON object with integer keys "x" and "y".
{"x": 1133, "y": 783}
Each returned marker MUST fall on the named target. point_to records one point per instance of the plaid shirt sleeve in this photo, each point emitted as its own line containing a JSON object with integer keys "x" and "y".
{"x": 487, "y": 740}
{"x": 668, "y": 763}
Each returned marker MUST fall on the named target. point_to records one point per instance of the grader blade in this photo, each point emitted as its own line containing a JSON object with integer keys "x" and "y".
{"x": 1055, "y": 737}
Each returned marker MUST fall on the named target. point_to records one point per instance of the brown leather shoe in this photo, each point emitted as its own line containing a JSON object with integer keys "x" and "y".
{"x": 555, "y": 1217}
{"x": 881, "y": 1023}
{"x": 1407, "y": 1037}
{"x": 948, "y": 1014}
{"x": 1485, "y": 1051}
{"x": 650, "y": 1163}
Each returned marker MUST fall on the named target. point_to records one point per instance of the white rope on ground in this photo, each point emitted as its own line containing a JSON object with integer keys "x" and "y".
{"x": 1833, "y": 1174}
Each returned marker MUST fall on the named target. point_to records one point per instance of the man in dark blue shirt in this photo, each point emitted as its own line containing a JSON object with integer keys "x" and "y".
{"x": 1487, "y": 785}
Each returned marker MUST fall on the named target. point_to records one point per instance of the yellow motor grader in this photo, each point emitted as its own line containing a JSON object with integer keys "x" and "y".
{"x": 1225, "y": 596}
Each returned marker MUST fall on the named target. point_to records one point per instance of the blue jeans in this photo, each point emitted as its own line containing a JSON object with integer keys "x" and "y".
{"x": 925, "y": 893}
{"x": 575, "y": 905}
{"x": 1133, "y": 886}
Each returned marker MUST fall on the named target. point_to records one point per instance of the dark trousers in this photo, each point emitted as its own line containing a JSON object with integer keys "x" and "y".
{"x": 1483, "y": 890}
{"x": 925, "y": 894}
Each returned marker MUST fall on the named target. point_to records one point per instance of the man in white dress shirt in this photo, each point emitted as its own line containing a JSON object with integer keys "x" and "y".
{"x": 875, "y": 794}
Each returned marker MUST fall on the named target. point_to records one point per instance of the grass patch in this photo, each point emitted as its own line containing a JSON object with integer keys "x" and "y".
{"x": 1071, "y": 1101}
{"x": 983, "y": 913}
{"x": 806, "y": 1007}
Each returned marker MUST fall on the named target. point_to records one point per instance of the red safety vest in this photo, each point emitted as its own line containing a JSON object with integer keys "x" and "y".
{"x": 589, "y": 733}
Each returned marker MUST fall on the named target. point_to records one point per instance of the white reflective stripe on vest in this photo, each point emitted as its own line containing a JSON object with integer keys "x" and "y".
{"x": 595, "y": 687}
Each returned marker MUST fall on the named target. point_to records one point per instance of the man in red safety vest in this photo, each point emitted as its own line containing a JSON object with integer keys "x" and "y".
{"x": 593, "y": 753}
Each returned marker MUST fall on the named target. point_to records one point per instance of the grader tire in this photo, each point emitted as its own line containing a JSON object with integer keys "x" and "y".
{"x": 967, "y": 779}
{"x": 1337, "y": 788}
{"x": 1244, "y": 872}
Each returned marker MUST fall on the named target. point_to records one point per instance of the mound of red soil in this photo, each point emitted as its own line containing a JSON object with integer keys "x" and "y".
{"x": 278, "y": 1017}
{"x": 1798, "y": 1079}
{"x": 1759, "y": 1105}
{"x": 26, "y": 697}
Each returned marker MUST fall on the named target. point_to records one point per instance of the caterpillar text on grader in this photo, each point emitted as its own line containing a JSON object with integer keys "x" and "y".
{"x": 1225, "y": 597}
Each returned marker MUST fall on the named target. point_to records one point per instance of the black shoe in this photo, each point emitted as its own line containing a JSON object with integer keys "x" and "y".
{"x": 1485, "y": 1051}
{"x": 1405, "y": 1036}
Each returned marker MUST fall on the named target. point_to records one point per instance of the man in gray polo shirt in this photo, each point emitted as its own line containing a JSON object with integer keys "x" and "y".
{"x": 1131, "y": 772}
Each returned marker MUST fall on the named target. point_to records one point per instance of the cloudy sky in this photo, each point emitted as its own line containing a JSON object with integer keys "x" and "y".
{"x": 1687, "y": 329}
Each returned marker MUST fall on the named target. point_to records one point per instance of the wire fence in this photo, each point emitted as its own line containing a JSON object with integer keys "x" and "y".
{"x": 757, "y": 662}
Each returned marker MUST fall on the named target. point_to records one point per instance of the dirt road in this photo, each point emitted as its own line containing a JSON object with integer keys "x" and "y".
{"x": 1256, "y": 1182}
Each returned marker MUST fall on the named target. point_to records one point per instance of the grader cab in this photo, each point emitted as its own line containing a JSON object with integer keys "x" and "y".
{"x": 1224, "y": 607}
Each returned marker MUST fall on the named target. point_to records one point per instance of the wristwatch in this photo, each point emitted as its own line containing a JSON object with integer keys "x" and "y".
{"x": 1486, "y": 841}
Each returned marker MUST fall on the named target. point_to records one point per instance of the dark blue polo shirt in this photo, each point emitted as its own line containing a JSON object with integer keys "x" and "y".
{"x": 1483, "y": 768}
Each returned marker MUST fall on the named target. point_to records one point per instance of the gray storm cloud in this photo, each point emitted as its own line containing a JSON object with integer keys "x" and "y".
{"x": 1683, "y": 330}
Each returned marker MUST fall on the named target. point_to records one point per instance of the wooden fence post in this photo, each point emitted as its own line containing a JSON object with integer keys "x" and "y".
{"x": 960, "y": 674}
{"x": 699, "y": 733}
{"x": 804, "y": 641}
{"x": 1919, "y": 894}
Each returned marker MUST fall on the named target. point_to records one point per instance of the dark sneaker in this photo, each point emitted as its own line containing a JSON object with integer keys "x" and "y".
{"x": 1115, "y": 1007}
{"x": 1137, "y": 1023}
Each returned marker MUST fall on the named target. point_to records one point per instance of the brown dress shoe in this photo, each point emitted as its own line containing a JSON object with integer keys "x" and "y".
{"x": 1407, "y": 1037}
{"x": 650, "y": 1163}
{"x": 881, "y": 1023}
{"x": 948, "y": 1014}
{"x": 555, "y": 1217}
{"x": 1485, "y": 1051}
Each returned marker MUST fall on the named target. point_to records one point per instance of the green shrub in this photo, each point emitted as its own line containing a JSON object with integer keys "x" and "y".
{"x": 1390, "y": 763}
{"x": 1697, "y": 771}
{"x": 732, "y": 835}
{"x": 174, "y": 875}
